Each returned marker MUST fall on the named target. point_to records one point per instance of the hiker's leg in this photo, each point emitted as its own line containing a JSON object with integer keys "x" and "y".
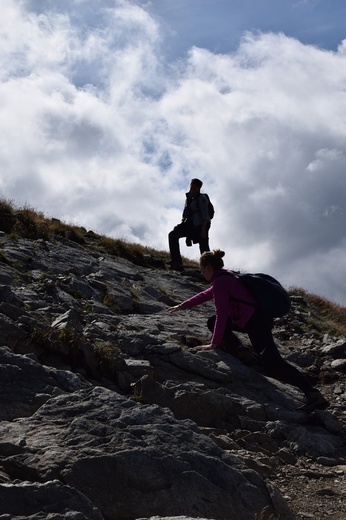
{"x": 229, "y": 338}
{"x": 232, "y": 344}
{"x": 204, "y": 242}
{"x": 173, "y": 240}
{"x": 259, "y": 330}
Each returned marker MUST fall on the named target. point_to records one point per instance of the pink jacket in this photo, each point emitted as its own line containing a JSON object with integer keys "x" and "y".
{"x": 222, "y": 290}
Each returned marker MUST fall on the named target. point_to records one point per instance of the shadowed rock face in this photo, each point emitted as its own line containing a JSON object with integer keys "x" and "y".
{"x": 126, "y": 458}
{"x": 107, "y": 413}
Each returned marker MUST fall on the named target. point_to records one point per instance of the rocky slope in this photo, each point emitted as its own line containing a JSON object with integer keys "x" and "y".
{"x": 107, "y": 413}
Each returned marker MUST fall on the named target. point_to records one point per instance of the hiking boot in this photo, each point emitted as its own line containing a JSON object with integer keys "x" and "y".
{"x": 225, "y": 347}
{"x": 245, "y": 355}
{"x": 240, "y": 351}
{"x": 315, "y": 401}
{"x": 176, "y": 267}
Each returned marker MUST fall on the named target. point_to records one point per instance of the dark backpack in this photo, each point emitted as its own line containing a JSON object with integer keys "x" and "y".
{"x": 211, "y": 209}
{"x": 267, "y": 291}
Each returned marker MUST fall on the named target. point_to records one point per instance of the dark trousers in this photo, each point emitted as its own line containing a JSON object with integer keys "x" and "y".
{"x": 186, "y": 229}
{"x": 259, "y": 330}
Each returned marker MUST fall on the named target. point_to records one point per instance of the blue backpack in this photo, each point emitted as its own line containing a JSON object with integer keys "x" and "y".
{"x": 267, "y": 291}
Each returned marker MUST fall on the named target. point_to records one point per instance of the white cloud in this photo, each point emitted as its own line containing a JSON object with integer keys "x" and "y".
{"x": 97, "y": 129}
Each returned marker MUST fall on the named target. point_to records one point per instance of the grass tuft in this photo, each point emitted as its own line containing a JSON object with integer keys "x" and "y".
{"x": 324, "y": 316}
{"x": 27, "y": 223}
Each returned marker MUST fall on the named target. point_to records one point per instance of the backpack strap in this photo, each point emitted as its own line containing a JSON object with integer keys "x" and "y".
{"x": 232, "y": 298}
{"x": 197, "y": 201}
{"x": 187, "y": 210}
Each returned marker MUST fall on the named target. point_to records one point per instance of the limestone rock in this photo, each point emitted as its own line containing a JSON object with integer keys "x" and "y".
{"x": 105, "y": 408}
{"x": 51, "y": 499}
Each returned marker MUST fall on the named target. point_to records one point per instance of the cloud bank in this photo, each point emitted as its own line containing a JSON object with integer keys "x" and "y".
{"x": 99, "y": 130}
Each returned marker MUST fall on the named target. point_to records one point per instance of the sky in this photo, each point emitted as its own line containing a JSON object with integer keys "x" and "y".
{"x": 108, "y": 108}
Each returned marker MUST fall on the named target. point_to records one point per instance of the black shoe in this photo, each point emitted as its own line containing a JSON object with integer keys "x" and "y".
{"x": 240, "y": 351}
{"x": 315, "y": 401}
{"x": 245, "y": 355}
{"x": 177, "y": 267}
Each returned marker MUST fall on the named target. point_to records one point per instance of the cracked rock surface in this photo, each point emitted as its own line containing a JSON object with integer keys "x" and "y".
{"x": 106, "y": 412}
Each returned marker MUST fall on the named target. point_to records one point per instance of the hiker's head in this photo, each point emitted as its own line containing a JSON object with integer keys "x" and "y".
{"x": 195, "y": 185}
{"x": 211, "y": 261}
